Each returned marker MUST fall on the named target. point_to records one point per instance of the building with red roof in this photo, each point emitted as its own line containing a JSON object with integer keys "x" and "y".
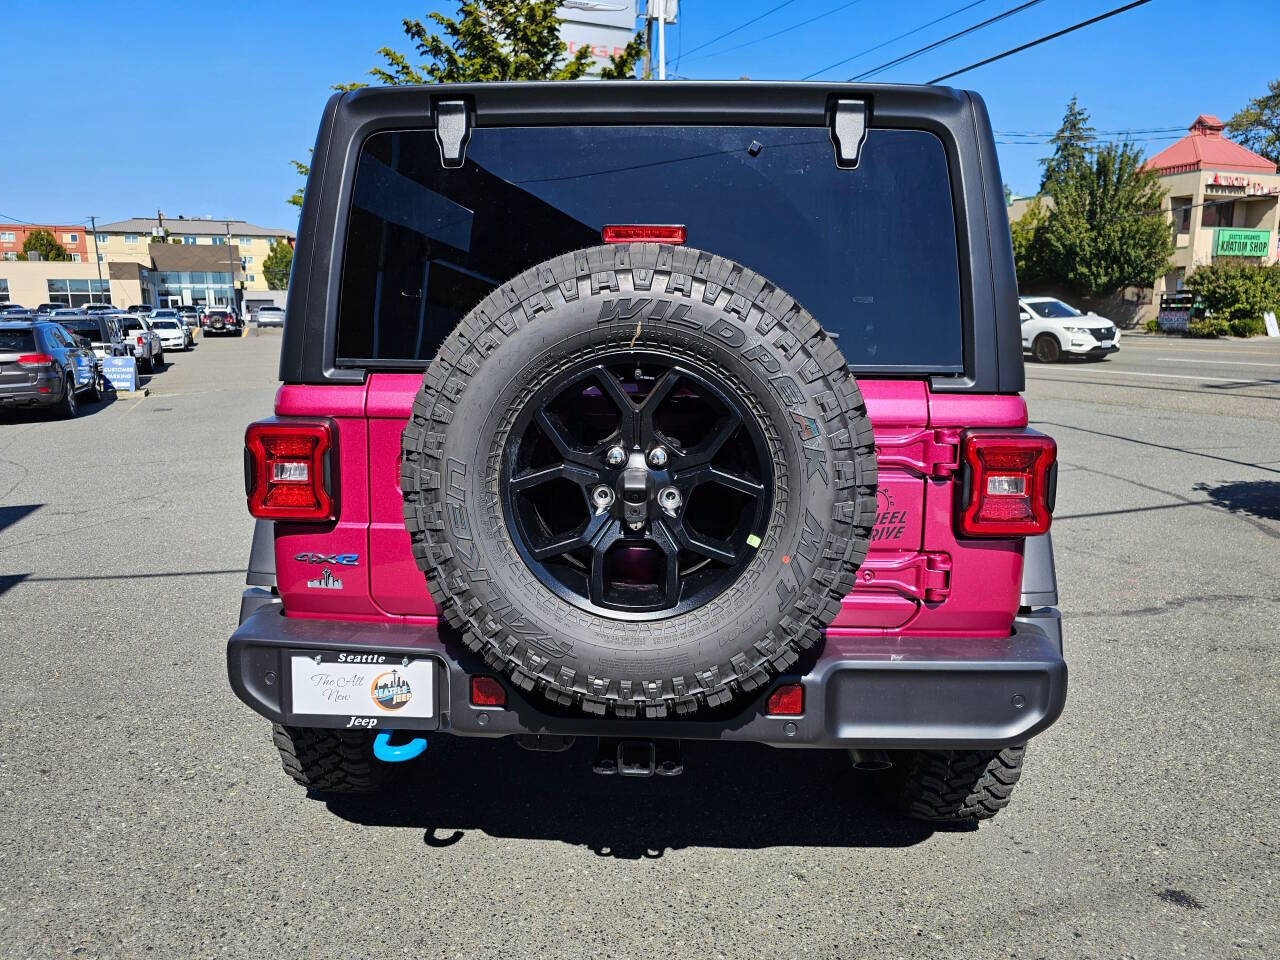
{"x": 1223, "y": 201}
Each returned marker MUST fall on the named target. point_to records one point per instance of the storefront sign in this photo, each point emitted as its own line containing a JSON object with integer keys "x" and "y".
{"x": 1239, "y": 185}
{"x": 121, "y": 371}
{"x": 1241, "y": 243}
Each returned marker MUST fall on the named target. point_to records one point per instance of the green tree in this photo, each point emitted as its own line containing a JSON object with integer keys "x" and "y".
{"x": 490, "y": 40}
{"x": 1071, "y": 147}
{"x": 1026, "y": 248}
{"x": 43, "y": 243}
{"x": 1106, "y": 230}
{"x": 277, "y": 265}
{"x": 1257, "y": 126}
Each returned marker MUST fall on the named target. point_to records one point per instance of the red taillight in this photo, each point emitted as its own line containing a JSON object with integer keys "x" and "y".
{"x": 35, "y": 360}
{"x": 487, "y": 692}
{"x": 1009, "y": 484}
{"x": 287, "y": 473}
{"x": 643, "y": 233}
{"x": 786, "y": 701}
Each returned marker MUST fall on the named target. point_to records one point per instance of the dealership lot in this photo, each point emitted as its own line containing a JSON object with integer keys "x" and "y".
{"x": 142, "y": 808}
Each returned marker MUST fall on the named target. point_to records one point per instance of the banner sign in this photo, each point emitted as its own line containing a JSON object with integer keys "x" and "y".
{"x": 603, "y": 26}
{"x": 84, "y": 370}
{"x": 1269, "y": 318}
{"x": 1241, "y": 243}
{"x": 122, "y": 372}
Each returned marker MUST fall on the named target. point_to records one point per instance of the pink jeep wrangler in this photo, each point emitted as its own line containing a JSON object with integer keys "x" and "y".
{"x": 654, "y": 412}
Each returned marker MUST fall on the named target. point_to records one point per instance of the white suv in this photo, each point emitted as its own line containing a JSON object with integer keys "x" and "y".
{"x": 1051, "y": 328}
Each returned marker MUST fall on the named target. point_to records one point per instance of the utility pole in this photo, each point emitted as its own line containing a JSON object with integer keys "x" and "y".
{"x": 231, "y": 265}
{"x": 647, "y": 73}
{"x": 93, "y": 224}
{"x": 662, "y": 39}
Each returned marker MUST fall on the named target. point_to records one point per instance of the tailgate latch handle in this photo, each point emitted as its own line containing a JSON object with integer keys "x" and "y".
{"x": 848, "y": 132}
{"x": 453, "y": 130}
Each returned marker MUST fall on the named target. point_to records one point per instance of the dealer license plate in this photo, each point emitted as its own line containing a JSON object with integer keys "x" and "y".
{"x": 342, "y": 684}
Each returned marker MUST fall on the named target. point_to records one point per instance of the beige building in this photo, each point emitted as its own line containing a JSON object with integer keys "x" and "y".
{"x": 70, "y": 284}
{"x": 1223, "y": 201}
{"x": 130, "y": 241}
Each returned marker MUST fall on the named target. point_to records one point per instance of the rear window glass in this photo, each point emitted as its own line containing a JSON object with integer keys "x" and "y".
{"x": 870, "y": 252}
{"x": 17, "y": 341}
{"x": 129, "y": 324}
{"x": 84, "y": 328}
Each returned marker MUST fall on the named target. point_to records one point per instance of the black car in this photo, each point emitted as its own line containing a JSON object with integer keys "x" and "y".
{"x": 220, "y": 320}
{"x": 42, "y": 365}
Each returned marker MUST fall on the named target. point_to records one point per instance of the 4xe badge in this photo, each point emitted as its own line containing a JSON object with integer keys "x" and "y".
{"x": 337, "y": 559}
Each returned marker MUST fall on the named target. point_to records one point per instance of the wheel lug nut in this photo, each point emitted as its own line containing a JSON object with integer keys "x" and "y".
{"x": 669, "y": 500}
{"x": 658, "y": 458}
{"x": 615, "y": 457}
{"x": 602, "y": 497}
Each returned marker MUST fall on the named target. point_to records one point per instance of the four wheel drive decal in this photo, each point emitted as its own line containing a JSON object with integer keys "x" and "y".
{"x": 337, "y": 559}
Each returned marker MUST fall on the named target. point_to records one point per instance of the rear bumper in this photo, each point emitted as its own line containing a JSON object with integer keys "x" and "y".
{"x": 29, "y": 394}
{"x": 862, "y": 692}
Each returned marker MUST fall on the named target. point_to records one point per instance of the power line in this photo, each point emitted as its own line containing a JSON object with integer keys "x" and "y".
{"x": 741, "y": 26}
{"x": 794, "y": 26}
{"x": 945, "y": 40}
{"x": 1044, "y": 39}
{"x": 1054, "y": 133}
{"x": 901, "y": 36}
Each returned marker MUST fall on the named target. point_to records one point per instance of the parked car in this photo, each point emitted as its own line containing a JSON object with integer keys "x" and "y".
{"x": 190, "y": 317}
{"x": 101, "y": 308}
{"x": 145, "y": 342}
{"x": 42, "y": 365}
{"x": 173, "y": 334}
{"x": 648, "y": 496}
{"x": 220, "y": 320}
{"x": 141, "y": 309}
{"x": 270, "y": 316}
{"x": 1052, "y": 329}
{"x": 100, "y": 330}
{"x": 12, "y": 308}
{"x": 47, "y": 308}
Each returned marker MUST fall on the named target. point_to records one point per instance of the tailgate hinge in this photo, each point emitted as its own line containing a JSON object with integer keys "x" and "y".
{"x": 848, "y": 131}
{"x": 453, "y": 130}
{"x": 924, "y": 576}
{"x": 933, "y": 453}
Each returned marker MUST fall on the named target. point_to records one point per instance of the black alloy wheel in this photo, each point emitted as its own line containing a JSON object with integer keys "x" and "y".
{"x": 636, "y": 485}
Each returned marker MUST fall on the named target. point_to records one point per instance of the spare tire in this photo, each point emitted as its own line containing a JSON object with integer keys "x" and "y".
{"x": 639, "y": 479}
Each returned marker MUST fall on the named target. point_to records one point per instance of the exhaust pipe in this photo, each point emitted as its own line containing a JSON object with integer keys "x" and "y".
{"x": 870, "y": 760}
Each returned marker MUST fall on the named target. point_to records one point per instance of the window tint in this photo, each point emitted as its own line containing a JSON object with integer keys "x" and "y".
{"x": 870, "y": 252}
{"x": 17, "y": 341}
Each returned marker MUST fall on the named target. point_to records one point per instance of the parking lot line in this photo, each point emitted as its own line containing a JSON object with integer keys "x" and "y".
{"x": 1160, "y": 376}
{"x": 1234, "y": 363}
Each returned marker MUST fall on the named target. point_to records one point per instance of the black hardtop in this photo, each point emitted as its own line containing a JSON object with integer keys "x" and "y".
{"x": 991, "y": 339}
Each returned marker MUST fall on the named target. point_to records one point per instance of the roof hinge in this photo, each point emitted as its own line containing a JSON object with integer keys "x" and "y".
{"x": 848, "y": 131}
{"x": 453, "y": 130}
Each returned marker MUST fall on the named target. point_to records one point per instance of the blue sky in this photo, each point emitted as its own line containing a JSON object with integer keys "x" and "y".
{"x": 197, "y": 109}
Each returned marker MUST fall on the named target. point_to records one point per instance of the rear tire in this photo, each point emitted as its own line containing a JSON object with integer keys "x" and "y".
{"x": 95, "y": 388}
{"x": 159, "y": 361}
{"x": 329, "y": 761}
{"x": 68, "y": 408}
{"x": 1047, "y": 349}
{"x": 954, "y": 786}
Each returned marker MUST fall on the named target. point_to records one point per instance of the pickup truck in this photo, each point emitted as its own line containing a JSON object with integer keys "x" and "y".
{"x": 144, "y": 342}
{"x": 639, "y": 413}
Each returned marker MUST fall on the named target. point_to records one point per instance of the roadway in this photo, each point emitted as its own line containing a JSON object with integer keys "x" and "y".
{"x": 143, "y": 810}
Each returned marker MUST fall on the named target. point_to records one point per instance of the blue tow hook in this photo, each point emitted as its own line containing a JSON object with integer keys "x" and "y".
{"x": 384, "y": 751}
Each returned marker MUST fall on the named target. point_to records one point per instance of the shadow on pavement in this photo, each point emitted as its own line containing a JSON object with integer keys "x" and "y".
{"x": 1257, "y": 498}
{"x": 12, "y": 514}
{"x": 734, "y": 795}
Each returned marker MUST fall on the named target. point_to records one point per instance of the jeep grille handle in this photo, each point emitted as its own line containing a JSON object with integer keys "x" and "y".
{"x": 848, "y": 132}
{"x": 453, "y": 130}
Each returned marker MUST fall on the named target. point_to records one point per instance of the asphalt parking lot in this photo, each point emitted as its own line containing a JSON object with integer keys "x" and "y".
{"x": 143, "y": 810}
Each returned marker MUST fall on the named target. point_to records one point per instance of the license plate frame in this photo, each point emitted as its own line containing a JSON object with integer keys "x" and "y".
{"x": 336, "y": 688}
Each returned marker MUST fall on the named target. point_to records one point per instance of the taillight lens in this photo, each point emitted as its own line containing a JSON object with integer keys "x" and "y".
{"x": 643, "y": 233}
{"x": 35, "y": 360}
{"x": 1009, "y": 483}
{"x": 287, "y": 475}
{"x": 487, "y": 692}
{"x": 786, "y": 700}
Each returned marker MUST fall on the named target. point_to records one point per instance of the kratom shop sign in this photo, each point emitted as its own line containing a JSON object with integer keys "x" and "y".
{"x": 1241, "y": 243}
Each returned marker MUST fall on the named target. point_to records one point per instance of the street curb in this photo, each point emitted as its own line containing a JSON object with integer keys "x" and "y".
{"x": 130, "y": 394}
